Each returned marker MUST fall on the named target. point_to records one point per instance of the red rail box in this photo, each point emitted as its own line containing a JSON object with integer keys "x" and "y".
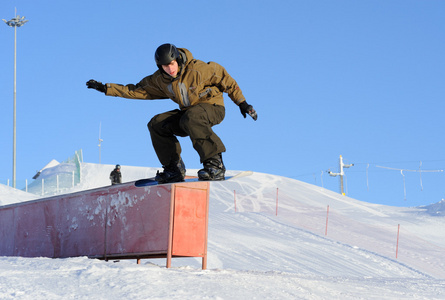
{"x": 114, "y": 222}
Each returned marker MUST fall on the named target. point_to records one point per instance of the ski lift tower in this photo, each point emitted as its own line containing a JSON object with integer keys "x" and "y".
{"x": 341, "y": 174}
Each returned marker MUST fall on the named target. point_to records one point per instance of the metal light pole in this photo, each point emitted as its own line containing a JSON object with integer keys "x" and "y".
{"x": 15, "y": 22}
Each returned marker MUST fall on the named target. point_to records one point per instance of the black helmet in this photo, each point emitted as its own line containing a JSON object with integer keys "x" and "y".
{"x": 165, "y": 54}
{"x": 118, "y": 166}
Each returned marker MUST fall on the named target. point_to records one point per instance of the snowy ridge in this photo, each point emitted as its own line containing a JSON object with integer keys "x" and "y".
{"x": 436, "y": 209}
{"x": 267, "y": 239}
{"x": 9, "y": 195}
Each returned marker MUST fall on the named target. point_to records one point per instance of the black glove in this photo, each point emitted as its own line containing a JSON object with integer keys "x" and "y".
{"x": 97, "y": 85}
{"x": 248, "y": 109}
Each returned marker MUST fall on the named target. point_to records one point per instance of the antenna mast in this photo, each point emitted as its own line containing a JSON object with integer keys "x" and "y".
{"x": 100, "y": 142}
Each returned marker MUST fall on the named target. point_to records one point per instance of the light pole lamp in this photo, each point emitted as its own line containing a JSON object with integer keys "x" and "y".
{"x": 15, "y": 22}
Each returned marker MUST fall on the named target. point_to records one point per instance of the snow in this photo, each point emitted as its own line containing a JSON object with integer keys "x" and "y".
{"x": 9, "y": 195}
{"x": 267, "y": 239}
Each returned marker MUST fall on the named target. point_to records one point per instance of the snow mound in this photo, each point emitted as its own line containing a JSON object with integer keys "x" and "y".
{"x": 436, "y": 209}
{"x": 9, "y": 195}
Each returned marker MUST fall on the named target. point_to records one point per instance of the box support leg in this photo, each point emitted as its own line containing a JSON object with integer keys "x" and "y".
{"x": 170, "y": 226}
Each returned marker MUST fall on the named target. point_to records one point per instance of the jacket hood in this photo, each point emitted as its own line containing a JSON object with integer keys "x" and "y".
{"x": 187, "y": 56}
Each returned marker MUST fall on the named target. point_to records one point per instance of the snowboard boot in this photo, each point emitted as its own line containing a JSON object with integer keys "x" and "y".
{"x": 214, "y": 169}
{"x": 174, "y": 172}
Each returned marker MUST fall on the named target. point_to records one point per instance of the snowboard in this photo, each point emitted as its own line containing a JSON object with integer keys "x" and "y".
{"x": 152, "y": 181}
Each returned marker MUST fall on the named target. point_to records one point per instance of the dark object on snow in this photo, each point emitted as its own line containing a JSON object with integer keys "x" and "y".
{"x": 116, "y": 175}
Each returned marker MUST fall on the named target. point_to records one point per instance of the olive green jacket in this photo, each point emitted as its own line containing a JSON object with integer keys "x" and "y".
{"x": 197, "y": 82}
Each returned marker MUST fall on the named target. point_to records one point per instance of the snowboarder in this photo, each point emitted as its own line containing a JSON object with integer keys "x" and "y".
{"x": 197, "y": 87}
{"x": 116, "y": 175}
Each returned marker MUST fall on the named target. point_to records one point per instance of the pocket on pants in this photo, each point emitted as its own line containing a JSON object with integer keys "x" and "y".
{"x": 215, "y": 113}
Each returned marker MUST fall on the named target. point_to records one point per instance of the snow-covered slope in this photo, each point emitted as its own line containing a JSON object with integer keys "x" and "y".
{"x": 9, "y": 195}
{"x": 269, "y": 237}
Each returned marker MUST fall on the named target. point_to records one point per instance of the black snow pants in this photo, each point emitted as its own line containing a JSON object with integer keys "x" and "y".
{"x": 195, "y": 122}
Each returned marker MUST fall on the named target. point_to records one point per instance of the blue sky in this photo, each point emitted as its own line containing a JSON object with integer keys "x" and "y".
{"x": 361, "y": 79}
